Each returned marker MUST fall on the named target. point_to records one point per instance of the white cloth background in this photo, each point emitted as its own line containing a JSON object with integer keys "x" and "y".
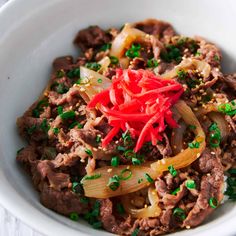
{"x": 9, "y": 225}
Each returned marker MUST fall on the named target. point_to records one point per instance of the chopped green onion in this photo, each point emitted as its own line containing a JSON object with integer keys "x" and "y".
{"x": 77, "y": 187}
{"x": 232, "y": 171}
{"x": 80, "y": 126}
{"x": 152, "y": 63}
{"x": 227, "y": 109}
{"x": 93, "y": 66}
{"x": 194, "y": 145}
{"x": 73, "y": 124}
{"x": 30, "y": 130}
{"x": 179, "y": 213}
{"x": 132, "y": 54}
{"x": 56, "y": 130}
{"x": 98, "y": 139}
{"x": 140, "y": 180}
{"x": 197, "y": 54}
{"x": 120, "y": 209}
{"x": 61, "y": 88}
{"x": 190, "y": 184}
{"x": 120, "y": 148}
{"x": 59, "y": 110}
{"x": 127, "y": 138}
{"x": 192, "y": 127}
{"x": 68, "y": 115}
{"x": 215, "y": 135}
{"x": 115, "y": 161}
{"x": 35, "y": 113}
{"x": 44, "y": 126}
{"x": 213, "y": 202}
{"x": 129, "y": 154}
{"x": 60, "y": 73}
{"x": 216, "y": 58}
{"x": 74, "y": 216}
{"x": 91, "y": 177}
{"x": 182, "y": 74}
{"x": 175, "y": 191}
{"x": 148, "y": 178}
{"x": 172, "y": 53}
{"x": 89, "y": 152}
{"x": 99, "y": 80}
{"x": 136, "y": 161}
{"x": 172, "y": 170}
{"x": 97, "y": 225}
{"x": 96, "y": 209}
{"x": 84, "y": 200}
{"x": 74, "y": 73}
{"x": 114, "y": 60}
{"x": 105, "y": 47}
{"x": 125, "y": 174}
{"x": 114, "y": 182}
{"x": 135, "y": 232}
{"x": 231, "y": 182}
{"x": 18, "y": 151}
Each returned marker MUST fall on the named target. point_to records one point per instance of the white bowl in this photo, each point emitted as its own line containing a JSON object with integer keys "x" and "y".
{"x": 34, "y": 32}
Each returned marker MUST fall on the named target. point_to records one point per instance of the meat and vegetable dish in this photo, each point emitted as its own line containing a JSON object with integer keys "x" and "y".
{"x": 137, "y": 135}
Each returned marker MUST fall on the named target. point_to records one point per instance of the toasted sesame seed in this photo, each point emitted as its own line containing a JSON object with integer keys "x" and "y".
{"x": 95, "y": 149}
{"x": 82, "y": 89}
{"x": 188, "y": 227}
{"x": 109, "y": 170}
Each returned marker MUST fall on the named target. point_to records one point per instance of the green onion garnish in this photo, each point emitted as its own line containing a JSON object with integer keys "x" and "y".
{"x": 97, "y": 225}
{"x": 73, "y": 124}
{"x": 59, "y": 110}
{"x": 215, "y": 135}
{"x": 98, "y": 139}
{"x": 133, "y": 51}
{"x": 114, "y": 60}
{"x": 68, "y": 115}
{"x": 152, "y": 63}
{"x": 120, "y": 209}
{"x": 193, "y": 127}
{"x": 30, "y": 130}
{"x": 56, "y": 130}
{"x": 172, "y": 170}
{"x": 190, "y": 184}
{"x": 93, "y": 66}
{"x": 175, "y": 191}
{"x": 120, "y": 148}
{"x": 84, "y": 200}
{"x": 136, "y": 161}
{"x": 99, "y": 80}
{"x": 44, "y": 125}
{"x": 213, "y": 202}
{"x": 194, "y": 145}
{"x": 91, "y": 177}
{"x": 89, "y": 152}
{"x": 74, "y": 73}
{"x": 140, "y": 181}
{"x": 179, "y": 213}
{"x": 61, "y": 88}
{"x": 125, "y": 174}
{"x": 114, "y": 182}
{"x": 105, "y": 47}
{"x": 60, "y": 73}
{"x": 148, "y": 178}
{"x": 18, "y": 151}
{"x": 77, "y": 187}
{"x": 115, "y": 161}
{"x": 135, "y": 232}
{"x": 232, "y": 171}
{"x": 129, "y": 154}
{"x": 74, "y": 216}
{"x": 80, "y": 126}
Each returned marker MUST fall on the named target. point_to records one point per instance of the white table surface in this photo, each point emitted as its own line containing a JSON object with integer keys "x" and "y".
{"x": 9, "y": 225}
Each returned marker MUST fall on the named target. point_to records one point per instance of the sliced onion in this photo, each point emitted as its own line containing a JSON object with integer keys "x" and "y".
{"x": 177, "y": 137}
{"x": 124, "y": 40}
{"x": 189, "y": 155}
{"x": 90, "y": 84}
{"x": 150, "y": 211}
{"x": 221, "y": 123}
{"x": 189, "y": 63}
{"x": 105, "y": 62}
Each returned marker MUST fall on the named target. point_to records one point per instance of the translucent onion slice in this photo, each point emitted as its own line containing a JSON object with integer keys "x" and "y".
{"x": 98, "y": 187}
{"x": 150, "y": 211}
{"x": 189, "y": 155}
{"x": 104, "y": 62}
{"x": 177, "y": 137}
{"x": 124, "y": 40}
{"x": 189, "y": 63}
{"x": 91, "y": 83}
{"x": 221, "y": 123}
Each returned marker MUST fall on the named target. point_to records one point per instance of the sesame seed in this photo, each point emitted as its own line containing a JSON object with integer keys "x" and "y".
{"x": 116, "y": 141}
{"x": 82, "y": 89}
{"x": 213, "y": 153}
{"x": 128, "y": 167}
{"x": 95, "y": 149}
{"x": 82, "y": 160}
{"x": 145, "y": 206}
{"x": 188, "y": 227}
{"x": 109, "y": 170}
{"x": 198, "y": 155}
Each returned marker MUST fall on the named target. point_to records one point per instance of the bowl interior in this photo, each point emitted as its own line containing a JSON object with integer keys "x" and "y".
{"x": 33, "y": 33}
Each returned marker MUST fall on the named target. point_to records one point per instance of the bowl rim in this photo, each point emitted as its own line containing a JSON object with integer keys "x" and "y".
{"x": 15, "y": 8}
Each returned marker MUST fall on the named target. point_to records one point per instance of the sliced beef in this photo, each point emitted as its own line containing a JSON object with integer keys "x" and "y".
{"x": 62, "y": 63}
{"x": 156, "y": 27}
{"x": 63, "y": 202}
{"x": 91, "y": 37}
{"x": 230, "y": 80}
